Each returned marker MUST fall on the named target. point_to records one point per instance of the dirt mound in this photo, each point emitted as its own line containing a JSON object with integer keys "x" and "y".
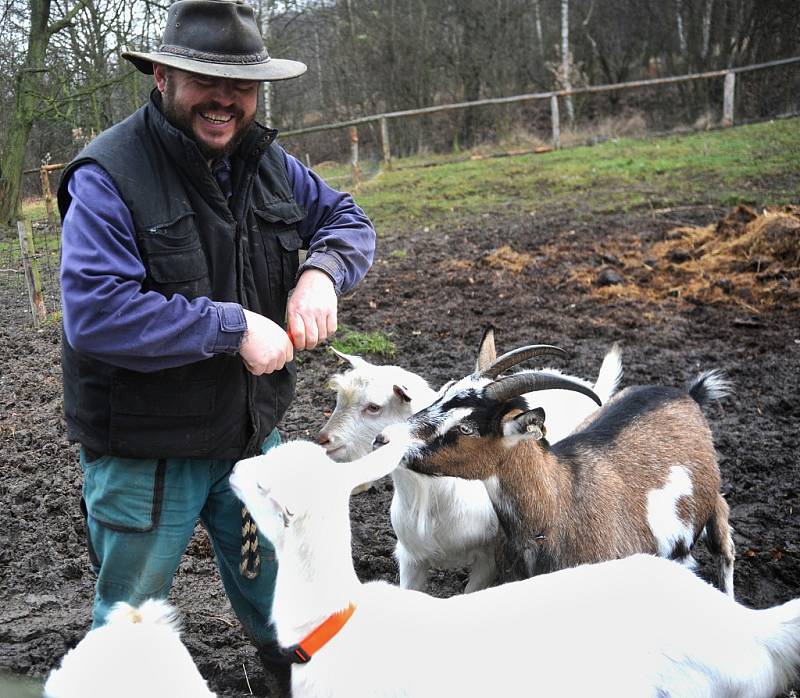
{"x": 746, "y": 258}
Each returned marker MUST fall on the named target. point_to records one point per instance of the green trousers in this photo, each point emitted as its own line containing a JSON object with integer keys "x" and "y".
{"x": 140, "y": 516}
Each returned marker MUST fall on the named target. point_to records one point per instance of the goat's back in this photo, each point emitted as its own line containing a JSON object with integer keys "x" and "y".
{"x": 640, "y": 428}
{"x": 631, "y": 627}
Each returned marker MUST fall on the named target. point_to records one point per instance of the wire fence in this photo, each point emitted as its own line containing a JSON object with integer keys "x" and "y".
{"x": 44, "y": 258}
{"x": 600, "y": 112}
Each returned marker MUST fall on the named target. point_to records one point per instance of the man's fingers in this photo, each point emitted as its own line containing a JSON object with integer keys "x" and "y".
{"x": 330, "y": 324}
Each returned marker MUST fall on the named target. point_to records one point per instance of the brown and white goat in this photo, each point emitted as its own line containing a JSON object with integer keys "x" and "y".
{"x": 639, "y": 475}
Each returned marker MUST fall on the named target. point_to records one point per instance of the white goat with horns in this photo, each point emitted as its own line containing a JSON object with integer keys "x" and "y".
{"x": 447, "y": 522}
{"x": 631, "y": 628}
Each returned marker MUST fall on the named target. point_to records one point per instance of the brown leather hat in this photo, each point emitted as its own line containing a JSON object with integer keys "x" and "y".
{"x": 218, "y": 38}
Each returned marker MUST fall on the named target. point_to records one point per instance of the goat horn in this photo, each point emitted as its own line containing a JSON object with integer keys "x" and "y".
{"x": 529, "y": 381}
{"x": 517, "y": 356}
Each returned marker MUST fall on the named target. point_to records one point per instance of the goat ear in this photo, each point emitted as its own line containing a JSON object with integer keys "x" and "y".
{"x": 445, "y": 388}
{"x": 487, "y": 352}
{"x": 402, "y": 392}
{"x": 529, "y": 424}
{"x": 352, "y": 359}
{"x": 379, "y": 462}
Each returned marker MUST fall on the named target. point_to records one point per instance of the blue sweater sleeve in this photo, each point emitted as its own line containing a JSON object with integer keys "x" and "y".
{"x": 339, "y": 236}
{"x": 106, "y": 312}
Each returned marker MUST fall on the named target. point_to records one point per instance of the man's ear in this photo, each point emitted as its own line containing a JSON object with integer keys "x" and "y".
{"x": 528, "y": 424}
{"x": 160, "y": 76}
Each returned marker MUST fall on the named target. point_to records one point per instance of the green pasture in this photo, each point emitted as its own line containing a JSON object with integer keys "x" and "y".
{"x": 720, "y": 168}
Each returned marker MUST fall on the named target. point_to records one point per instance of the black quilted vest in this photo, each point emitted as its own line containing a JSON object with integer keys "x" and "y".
{"x": 193, "y": 243}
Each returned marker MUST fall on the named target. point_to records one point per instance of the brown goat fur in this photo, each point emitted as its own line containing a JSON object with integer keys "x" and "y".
{"x": 640, "y": 475}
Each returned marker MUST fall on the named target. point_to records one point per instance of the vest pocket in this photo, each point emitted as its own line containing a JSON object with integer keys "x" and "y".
{"x": 277, "y": 226}
{"x": 174, "y": 258}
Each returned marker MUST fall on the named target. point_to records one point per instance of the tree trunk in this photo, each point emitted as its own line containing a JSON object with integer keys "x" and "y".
{"x": 565, "y": 60}
{"x": 707, "y": 14}
{"x": 539, "y": 36}
{"x": 25, "y": 100}
{"x": 682, "y": 44}
{"x": 27, "y": 84}
{"x": 265, "y": 9}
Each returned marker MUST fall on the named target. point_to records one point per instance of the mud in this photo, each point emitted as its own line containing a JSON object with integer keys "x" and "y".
{"x": 561, "y": 278}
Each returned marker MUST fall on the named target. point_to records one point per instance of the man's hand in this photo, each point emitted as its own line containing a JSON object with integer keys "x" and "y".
{"x": 311, "y": 311}
{"x": 265, "y": 347}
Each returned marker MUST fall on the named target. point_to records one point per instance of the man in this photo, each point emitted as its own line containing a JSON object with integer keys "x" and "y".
{"x": 181, "y": 231}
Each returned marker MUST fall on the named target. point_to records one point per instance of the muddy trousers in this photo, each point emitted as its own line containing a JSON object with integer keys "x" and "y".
{"x": 141, "y": 514}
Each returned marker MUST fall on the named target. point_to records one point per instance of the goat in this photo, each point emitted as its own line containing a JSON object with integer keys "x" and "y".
{"x": 138, "y": 653}
{"x": 640, "y": 626}
{"x": 447, "y": 522}
{"x": 639, "y": 476}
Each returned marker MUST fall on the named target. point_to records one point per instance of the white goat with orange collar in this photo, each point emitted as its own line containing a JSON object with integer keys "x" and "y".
{"x": 632, "y": 628}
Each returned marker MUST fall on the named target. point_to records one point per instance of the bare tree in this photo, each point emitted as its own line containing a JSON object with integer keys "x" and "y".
{"x": 566, "y": 62}
{"x": 40, "y": 32}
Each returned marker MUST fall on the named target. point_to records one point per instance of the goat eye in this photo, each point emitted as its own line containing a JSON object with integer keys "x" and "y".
{"x": 465, "y": 429}
{"x": 372, "y": 408}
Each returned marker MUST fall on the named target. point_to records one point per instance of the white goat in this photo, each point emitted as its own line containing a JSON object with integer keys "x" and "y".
{"x": 447, "y": 522}
{"x": 641, "y": 627}
{"x": 138, "y": 653}
{"x": 639, "y": 476}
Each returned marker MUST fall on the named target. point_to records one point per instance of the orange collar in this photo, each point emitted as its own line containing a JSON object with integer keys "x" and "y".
{"x": 321, "y": 635}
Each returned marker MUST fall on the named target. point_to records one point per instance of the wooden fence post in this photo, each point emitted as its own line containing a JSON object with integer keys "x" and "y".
{"x": 44, "y": 175}
{"x": 727, "y": 100}
{"x": 32, "y": 278}
{"x": 356, "y": 168}
{"x": 555, "y": 121}
{"x": 387, "y": 152}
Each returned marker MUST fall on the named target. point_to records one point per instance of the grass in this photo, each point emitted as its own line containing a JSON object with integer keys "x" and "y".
{"x": 351, "y": 342}
{"x": 719, "y": 167}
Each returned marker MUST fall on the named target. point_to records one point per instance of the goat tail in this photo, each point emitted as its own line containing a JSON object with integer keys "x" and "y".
{"x": 710, "y": 385}
{"x": 610, "y": 375}
{"x": 780, "y": 636}
{"x": 149, "y": 612}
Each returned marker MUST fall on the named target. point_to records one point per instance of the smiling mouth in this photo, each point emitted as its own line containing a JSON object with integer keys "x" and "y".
{"x": 216, "y": 118}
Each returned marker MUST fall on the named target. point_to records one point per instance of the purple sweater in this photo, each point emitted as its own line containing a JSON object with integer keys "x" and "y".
{"x": 108, "y": 316}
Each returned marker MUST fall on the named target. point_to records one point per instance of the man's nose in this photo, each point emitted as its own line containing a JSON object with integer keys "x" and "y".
{"x": 223, "y": 90}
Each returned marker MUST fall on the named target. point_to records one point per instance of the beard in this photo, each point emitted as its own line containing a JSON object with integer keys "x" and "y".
{"x": 182, "y": 117}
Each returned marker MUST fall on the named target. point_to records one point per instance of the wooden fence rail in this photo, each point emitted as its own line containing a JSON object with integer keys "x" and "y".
{"x": 729, "y": 76}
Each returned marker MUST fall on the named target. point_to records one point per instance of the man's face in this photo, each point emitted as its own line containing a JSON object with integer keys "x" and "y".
{"x": 214, "y": 112}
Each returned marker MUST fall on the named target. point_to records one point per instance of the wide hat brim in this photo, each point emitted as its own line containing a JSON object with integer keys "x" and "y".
{"x": 267, "y": 70}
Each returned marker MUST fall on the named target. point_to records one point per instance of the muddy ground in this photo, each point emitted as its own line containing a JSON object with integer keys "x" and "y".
{"x": 637, "y": 278}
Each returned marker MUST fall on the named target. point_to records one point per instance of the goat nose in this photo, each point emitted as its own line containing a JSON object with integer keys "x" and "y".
{"x": 380, "y": 440}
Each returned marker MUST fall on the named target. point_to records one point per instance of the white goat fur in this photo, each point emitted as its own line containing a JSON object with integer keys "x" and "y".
{"x": 138, "y": 653}
{"x": 443, "y": 522}
{"x": 631, "y": 628}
